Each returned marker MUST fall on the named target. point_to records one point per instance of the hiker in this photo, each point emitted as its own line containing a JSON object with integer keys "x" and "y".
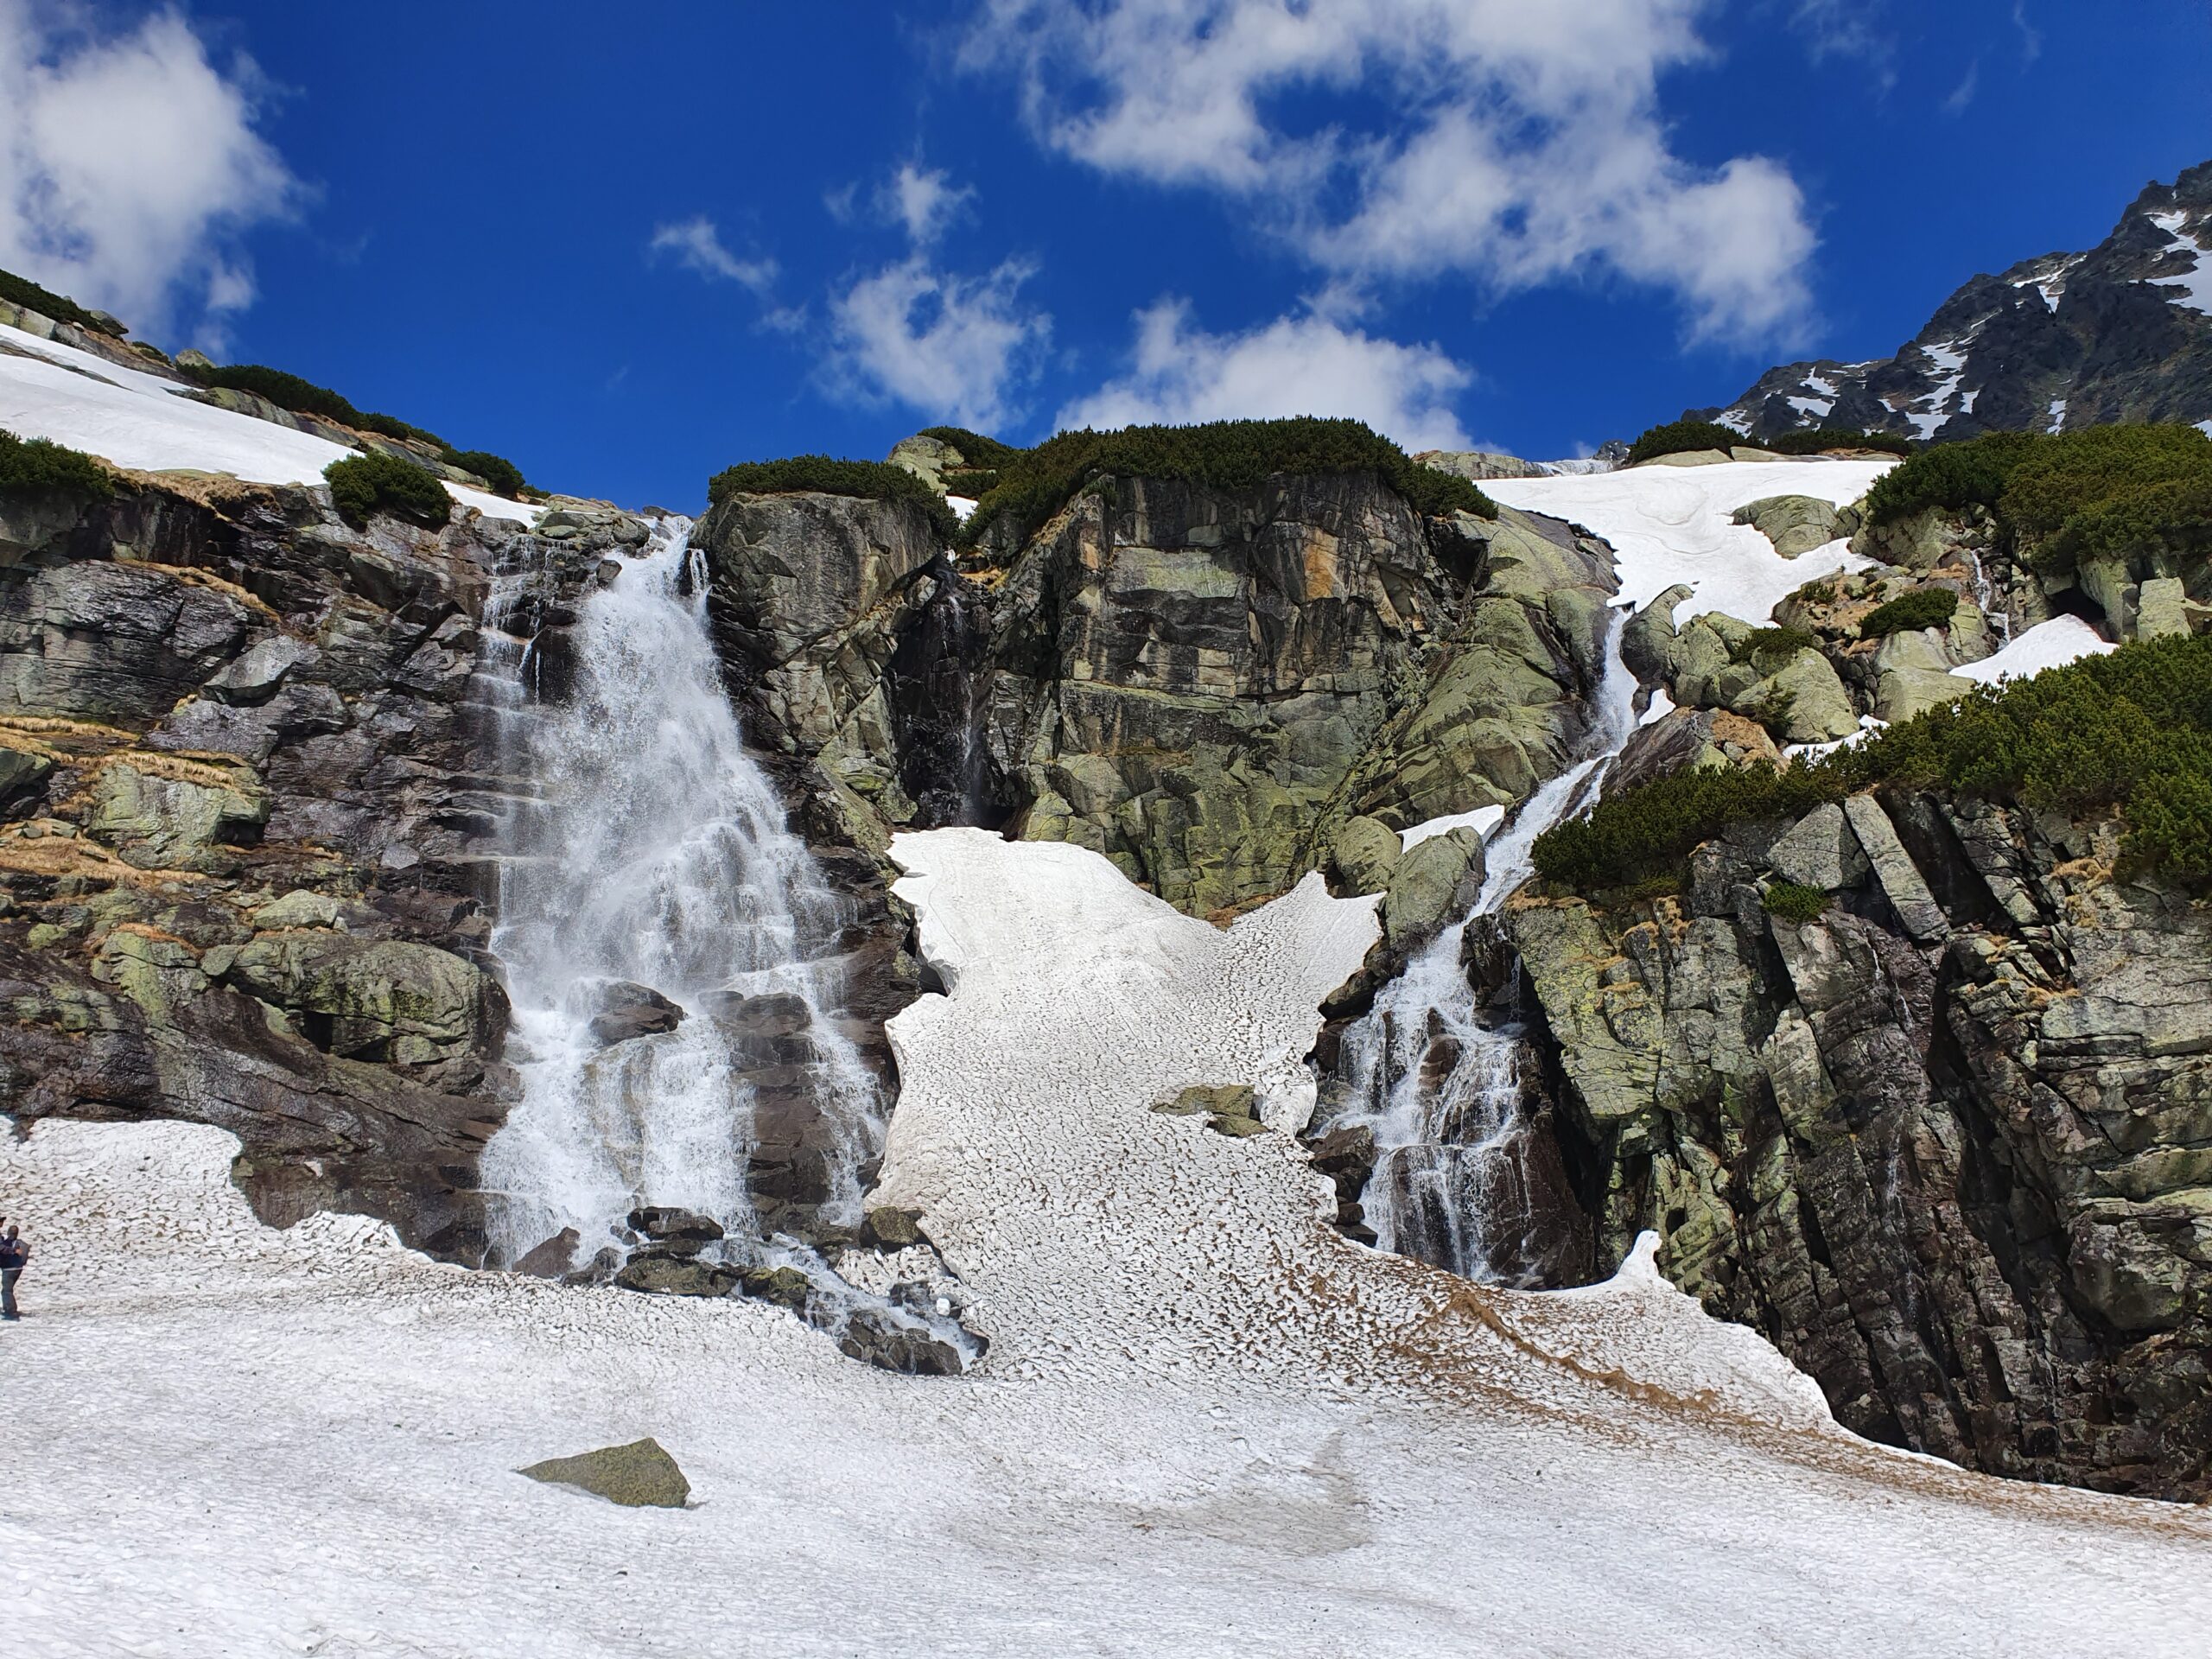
{"x": 14, "y": 1255}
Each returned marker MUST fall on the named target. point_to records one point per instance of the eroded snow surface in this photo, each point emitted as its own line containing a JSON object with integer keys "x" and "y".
{"x": 1207, "y": 1425}
{"x": 48, "y": 390}
{"x": 1669, "y": 524}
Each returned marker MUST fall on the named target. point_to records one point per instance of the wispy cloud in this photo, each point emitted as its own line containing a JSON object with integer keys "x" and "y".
{"x": 2031, "y": 36}
{"x": 1963, "y": 94}
{"x": 696, "y": 245}
{"x": 1849, "y": 28}
{"x": 1305, "y": 364}
{"x": 130, "y": 166}
{"x": 1520, "y": 143}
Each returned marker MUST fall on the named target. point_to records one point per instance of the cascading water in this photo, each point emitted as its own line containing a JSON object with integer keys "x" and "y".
{"x": 654, "y": 854}
{"x": 1438, "y": 1080}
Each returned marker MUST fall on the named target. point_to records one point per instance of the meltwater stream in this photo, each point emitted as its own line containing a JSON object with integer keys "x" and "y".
{"x": 1438, "y": 1080}
{"x": 653, "y": 852}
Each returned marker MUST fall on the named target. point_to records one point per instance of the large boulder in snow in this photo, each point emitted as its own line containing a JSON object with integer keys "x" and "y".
{"x": 640, "y": 1474}
{"x": 1797, "y": 524}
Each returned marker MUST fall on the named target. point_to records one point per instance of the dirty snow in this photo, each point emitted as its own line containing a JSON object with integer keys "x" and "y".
{"x": 1207, "y": 1425}
{"x": 1672, "y": 524}
{"x": 2047, "y": 645}
{"x": 48, "y": 390}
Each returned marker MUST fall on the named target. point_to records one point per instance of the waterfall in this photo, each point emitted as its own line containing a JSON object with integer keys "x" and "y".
{"x": 1438, "y": 1080}
{"x": 653, "y": 856}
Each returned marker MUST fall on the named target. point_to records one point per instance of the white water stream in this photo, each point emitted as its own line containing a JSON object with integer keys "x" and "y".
{"x": 1438, "y": 1079}
{"x": 654, "y": 851}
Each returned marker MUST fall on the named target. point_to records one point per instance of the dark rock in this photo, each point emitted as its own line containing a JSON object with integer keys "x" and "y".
{"x": 889, "y": 1344}
{"x": 681, "y": 1231}
{"x": 670, "y": 1274}
{"x": 627, "y": 1010}
{"x": 551, "y": 1258}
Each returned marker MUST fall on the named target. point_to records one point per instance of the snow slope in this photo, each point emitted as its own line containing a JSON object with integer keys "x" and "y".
{"x": 1207, "y": 1425}
{"x": 2047, "y": 645}
{"x": 48, "y": 390}
{"x": 1673, "y": 524}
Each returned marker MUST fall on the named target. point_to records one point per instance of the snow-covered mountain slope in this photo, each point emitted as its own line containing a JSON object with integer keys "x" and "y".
{"x": 2120, "y": 333}
{"x": 1207, "y": 1425}
{"x": 1669, "y": 524}
{"x": 51, "y": 390}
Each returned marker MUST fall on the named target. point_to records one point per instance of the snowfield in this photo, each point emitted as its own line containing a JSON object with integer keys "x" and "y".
{"x": 1207, "y": 1425}
{"x": 2054, "y": 644}
{"x": 48, "y": 390}
{"x": 1669, "y": 524}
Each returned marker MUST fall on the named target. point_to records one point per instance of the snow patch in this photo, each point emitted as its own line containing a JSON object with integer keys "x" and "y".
{"x": 961, "y": 506}
{"x": 1483, "y": 820}
{"x": 147, "y": 424}
{"x": 2047, "y": 645}
{"x": 2192, "y": 290}
{"x": 1669, "y": 524}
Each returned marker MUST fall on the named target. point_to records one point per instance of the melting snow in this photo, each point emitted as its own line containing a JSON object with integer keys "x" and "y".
{"x": 2047, "y": 645}
{"x": 1482, "y": 820}
{"x": 1207, "y": 1425}
{"x": 139, "y": 420}
{"x": 1669, "y": 524}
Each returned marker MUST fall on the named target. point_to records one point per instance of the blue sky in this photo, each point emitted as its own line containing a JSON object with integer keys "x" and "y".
{"x": 627, "y": 247}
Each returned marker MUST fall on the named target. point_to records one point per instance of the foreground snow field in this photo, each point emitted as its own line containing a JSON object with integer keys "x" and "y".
{"x": 1207, "y": 1425}
{"x": 1673, "y": 523}
{"x": 48, "y": 390}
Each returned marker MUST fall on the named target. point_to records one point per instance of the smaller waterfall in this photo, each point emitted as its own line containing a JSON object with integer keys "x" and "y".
{"x": 1439, "y": 1082}
{"x": 653, "y": 857}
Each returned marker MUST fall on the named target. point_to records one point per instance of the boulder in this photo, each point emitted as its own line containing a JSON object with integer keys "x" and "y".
{"x": 882, "y": 1340}
{"x": 681, "y": 1232}
{"x": 639, "y": 1475}
{"x": 1365, "y": 852}
{"x": 1434, "y": 885}
{"x": 628, "y": 1010}
{"x": 658, "y": 1273}
{"x": 1794, "y": 524}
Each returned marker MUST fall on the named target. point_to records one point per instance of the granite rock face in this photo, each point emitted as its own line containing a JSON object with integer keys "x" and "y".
{"x": 1949, "y": 1144}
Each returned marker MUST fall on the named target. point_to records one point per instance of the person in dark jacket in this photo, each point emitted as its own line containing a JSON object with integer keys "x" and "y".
{"x": 15, "y": 1255}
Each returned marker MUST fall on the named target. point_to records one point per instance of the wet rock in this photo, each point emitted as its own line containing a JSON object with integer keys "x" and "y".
{"x": 680, "y": 1232}
{"x": 786, "y": 1287}
{"x": 639, "y": 1475}
{"x": 551, "y": 1258}
{"x": 628, "y": 1010}
{"x": 658, "y": 1273}
{"x": 881, "y": 1339}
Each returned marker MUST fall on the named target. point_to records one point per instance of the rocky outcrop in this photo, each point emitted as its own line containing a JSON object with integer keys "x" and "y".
{"x": 2061, "y": 342}
{"x": 1948, "y": 1145}
{"x": 251, "y": 780}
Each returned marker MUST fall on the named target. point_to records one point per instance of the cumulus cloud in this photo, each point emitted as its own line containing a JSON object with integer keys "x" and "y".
{"x": 1294, "y": 366}
{"x": 129, "y": 165}
{"x": 696, "y": 245}
{"x": 954, "y": 346}
{"x": 1512, "y": 142}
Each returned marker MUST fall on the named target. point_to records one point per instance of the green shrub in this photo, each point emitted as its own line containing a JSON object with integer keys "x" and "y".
{"x": 2131, "y": 731}
{"x": 502, "y": 474}
{"x": 1793, "y": 901}
{"x": 1035, "y": 484}
{"x": 1923, "y": 607}
{"x": 2111, "y": 489}
{"x": 1775, "y": 645}
{"x": 1679, "y": 438}
{"x": 32, "y": 466}
{"x": 301, "y": 397}
{"x": 974, "y": 449}
{"x": 1813, "y": 440}
{"x": 1969, "y": 474}
{"x": 870, "y": 480}
{"x": 21, "y": 290}
{"x": 376, "y": 482}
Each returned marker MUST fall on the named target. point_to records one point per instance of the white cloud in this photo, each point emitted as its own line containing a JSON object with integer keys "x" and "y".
{"x": 1294, "y": 366}
{"x": 1849, "y": 28}
{"x": 923, "y": 201}
{"x": 129, "y": 165}
{"x": 1962, "y": 94}
{"x": 695, "y": 244}
{"x": 1517, "y": 142}
{"x": 952, "y": 346}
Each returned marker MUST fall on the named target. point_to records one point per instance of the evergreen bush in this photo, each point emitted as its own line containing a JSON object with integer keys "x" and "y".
{"x": 1680, "y": 437}
{"x": 362, "y": 485}
{"x": 34, "y": 466}
{"x": 1811, "y": 441}
{"x": 1923, "y": 607}
{"x": 502, "y": 474}
{"x": 1793, "y": 901}
{"x": 21, "y": 290}
{"x": 1035, "y": 484}
{"x": 2130, "y": 731}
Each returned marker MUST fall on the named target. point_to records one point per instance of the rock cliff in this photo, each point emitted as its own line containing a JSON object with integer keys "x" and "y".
{"x": 1946, "y": 1144}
